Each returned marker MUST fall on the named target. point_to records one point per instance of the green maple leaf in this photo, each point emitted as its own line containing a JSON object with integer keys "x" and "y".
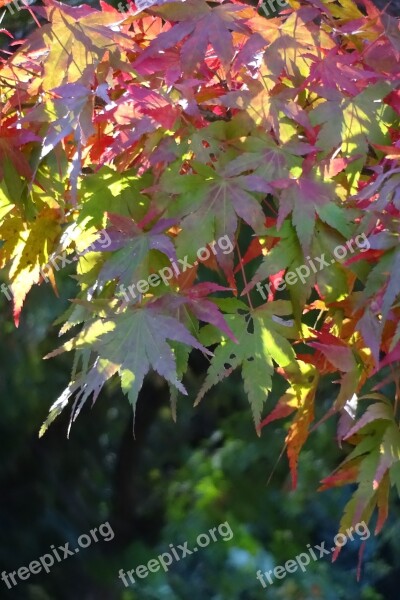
{"x": 210, "y": 205}
{"x": 306, "y": 198}
{"x": 138, "y": 343}
{"x": 261, "y": 154}
{"x": 130, "y": 344}
{"x": 287, "y": 255}
{"x": 262, "y": 341}
{"x": 108, "y": 191}
{"x": 353, "y": 124}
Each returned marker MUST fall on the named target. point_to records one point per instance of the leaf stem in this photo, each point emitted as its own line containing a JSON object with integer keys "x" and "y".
{"x": 244, "y": 275}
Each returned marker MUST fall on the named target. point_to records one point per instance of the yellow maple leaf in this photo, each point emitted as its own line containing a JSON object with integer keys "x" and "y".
{"x": 26, "y": 248}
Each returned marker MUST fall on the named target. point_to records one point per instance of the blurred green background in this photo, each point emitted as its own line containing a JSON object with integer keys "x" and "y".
{"x": 167, "y": 485}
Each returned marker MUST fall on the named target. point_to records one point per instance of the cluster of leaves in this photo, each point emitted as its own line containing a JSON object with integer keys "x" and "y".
{"x": 170, "y": 128}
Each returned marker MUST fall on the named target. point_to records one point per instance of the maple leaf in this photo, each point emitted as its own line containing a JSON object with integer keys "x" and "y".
{"x": 337, "y": 71}
{"x": 299, "y": 429}
{"x": 374, "y": 461}
{"x": 70, "y": 112}
{"x": 77, "y": 39}
{"x": 195, "y": 300}
{"x": 210, "y": 205}
{"x": 291, "y": 42}
{"x": 11, "y": 140}
{"x": 205, "y": 26}
{"x": 267, "y": 109}
{"x": 393, "y": 99}
{"x": 259, "y": 337}
{"x": 353, "y": 123}
{"x": 262, "y": 155}
{"x": 130, "y": 344}
{"x": 131, "y": 246}
{"x": 27, "y": 249}
{"x": 284, "y": 255}
{"x": 154, "y": 104}
{"x": 108, "y": 191}
{"x": 306, "y": 198}
{"x": 299, "y": 398}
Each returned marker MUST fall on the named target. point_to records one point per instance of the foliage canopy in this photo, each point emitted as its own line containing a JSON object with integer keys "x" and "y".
{"x": 165, "y": 130}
